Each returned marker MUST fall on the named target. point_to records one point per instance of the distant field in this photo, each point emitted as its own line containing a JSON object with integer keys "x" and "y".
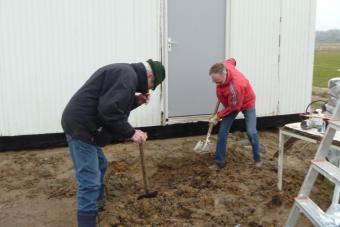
{"x": 327, "y": 47}
{"x": 326, "y": 66}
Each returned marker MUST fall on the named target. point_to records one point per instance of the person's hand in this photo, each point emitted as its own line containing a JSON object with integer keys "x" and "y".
{"x": 214, "y": 120}
{"x": 142, "y": 99}
{"x": 139, "y": 136}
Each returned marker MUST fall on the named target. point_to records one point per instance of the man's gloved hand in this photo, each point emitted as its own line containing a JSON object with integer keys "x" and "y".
{"x": 139, "y": 136}
{"x": 214, "y": 120}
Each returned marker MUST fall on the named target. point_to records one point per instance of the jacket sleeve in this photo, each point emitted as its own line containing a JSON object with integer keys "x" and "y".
{"x": 233, "y": 105}
{"x": 231, "y": 61}
{"x": 135, "y": 104}
{"x": 113, "y": 108}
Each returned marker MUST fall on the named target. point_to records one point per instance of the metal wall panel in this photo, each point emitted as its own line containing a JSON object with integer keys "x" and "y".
{"x": 253, "y": 40}
{"x": 49, "y": 48}
{"x": 273, "y": 41}
{"x": 296, "y": 55}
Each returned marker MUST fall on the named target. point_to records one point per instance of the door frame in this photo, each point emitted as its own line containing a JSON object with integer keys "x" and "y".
{"x": 165, "y": 60}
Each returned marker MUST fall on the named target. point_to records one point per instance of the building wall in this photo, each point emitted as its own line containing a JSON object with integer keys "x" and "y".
{"x": 296, "y": 55}
{"x": 49, "y": 49}
{"x": 273, "y": 41}
{"x": 253, "y": 29}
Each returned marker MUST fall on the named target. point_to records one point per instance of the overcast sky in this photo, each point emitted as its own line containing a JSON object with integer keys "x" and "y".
{"x": 327, "y": 14}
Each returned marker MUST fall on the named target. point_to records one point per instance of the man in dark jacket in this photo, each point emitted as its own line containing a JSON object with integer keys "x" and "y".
{"x": 96, "y": 114}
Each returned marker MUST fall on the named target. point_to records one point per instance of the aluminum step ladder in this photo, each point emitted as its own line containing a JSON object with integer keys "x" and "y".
{"x": 303, "y": 204}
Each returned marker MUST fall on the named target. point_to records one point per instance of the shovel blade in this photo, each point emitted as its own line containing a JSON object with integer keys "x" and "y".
{"x": 206, "y": 147}
{"x": 199, "y": 146}
{"x": 148, "y": 195}
{"x": 202, "y": 147}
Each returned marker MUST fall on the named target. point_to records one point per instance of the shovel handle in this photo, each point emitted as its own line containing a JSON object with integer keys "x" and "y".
{"x": 210, "y": 124}
{"x": 141, "y": 151}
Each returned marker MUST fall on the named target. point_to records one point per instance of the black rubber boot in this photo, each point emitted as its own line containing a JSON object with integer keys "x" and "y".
{"x": 87, "y": 219}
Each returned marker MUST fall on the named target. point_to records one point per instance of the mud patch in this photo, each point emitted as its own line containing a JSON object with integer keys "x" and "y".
{"x": 189, "y": 194}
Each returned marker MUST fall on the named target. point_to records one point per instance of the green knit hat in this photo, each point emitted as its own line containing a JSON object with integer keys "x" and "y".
{"x": 158, "y": 71}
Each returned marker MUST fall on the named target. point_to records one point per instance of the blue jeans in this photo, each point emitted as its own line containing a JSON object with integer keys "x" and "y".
{"x": 250, "y": 120}
{"x": 90, "y": 165}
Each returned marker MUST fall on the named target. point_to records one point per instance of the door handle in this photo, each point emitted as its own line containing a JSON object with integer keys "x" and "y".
{"x": 170, "y": 44}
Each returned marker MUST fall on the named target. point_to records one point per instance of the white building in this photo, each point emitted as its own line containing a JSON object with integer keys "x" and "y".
{"x": 49, "y": 48}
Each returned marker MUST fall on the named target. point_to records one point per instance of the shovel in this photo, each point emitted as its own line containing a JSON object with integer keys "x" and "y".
{"x": 147, "y": 193}
{"x": 202, "y": 147}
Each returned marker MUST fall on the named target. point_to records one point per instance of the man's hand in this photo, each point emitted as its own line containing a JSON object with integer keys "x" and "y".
{"x": 139, "y": 136}
{"x": 214, "y": 120}
{"x": 142, "y": 98}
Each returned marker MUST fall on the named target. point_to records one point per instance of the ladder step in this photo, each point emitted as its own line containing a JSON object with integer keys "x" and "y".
{"x": 314, "y": 213}
{"x": 327, "y": 169}
{"x": 334, "y": 124}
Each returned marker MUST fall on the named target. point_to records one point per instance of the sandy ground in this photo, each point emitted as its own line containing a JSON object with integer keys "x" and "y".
{"x": 37, "y": 188}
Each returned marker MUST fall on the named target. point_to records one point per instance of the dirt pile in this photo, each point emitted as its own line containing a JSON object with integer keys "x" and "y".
{"x": 192, "y": 195}
{"x": 189, "y": 193}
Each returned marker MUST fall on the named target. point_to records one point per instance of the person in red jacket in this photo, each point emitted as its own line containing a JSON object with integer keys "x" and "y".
{"x": 234, "y": 91}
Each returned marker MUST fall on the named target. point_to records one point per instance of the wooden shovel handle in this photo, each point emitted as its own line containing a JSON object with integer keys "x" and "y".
{"x": 211, "y": 125}
{"x": 146, "y": 187}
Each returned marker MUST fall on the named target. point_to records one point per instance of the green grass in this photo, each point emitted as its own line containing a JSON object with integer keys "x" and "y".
{"x": 326, "y": 66}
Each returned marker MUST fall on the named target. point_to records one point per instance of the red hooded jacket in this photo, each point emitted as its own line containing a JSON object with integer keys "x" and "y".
{"x": 236, "y": 94}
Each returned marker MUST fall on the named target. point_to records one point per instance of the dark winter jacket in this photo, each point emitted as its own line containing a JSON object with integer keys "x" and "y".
{"x": 99, "y": 110}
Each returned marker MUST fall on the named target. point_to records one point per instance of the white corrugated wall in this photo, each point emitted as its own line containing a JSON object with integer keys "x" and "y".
{"x": 296, "y": 55}
{"x": 273, "y": 42}
{"x": 49, "y": 48}
{"x": 253, "y": 40}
